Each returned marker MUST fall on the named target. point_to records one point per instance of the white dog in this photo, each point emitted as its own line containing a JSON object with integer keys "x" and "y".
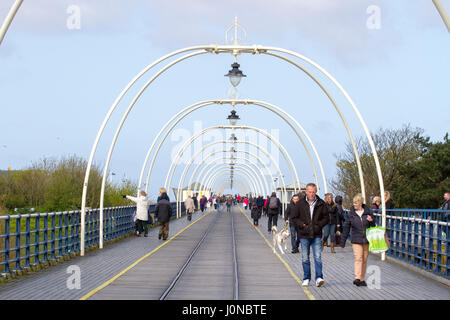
{"x": 279, "y": 238}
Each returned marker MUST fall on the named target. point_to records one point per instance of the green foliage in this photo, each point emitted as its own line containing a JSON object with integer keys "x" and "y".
{"x": 423, "y": 182}
{"x": 414, "y": 170}
{"x": 56, "y": 185}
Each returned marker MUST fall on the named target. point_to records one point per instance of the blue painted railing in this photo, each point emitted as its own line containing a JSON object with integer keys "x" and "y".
{"x": 419, "y": 237}
{"x": 27, "y": 240}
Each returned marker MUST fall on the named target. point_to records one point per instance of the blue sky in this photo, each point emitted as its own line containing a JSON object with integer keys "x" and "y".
{"x": 57, "y": 84}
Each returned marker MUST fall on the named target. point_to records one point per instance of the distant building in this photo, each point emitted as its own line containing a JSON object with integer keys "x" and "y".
{"x": 194, "y": 188}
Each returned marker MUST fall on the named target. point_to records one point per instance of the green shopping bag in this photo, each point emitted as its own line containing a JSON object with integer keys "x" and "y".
{"x": 376, "y": 238}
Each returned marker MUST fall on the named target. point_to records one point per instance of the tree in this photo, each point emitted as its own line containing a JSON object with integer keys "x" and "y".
{"x": 395, "y": 147}
{"x": 423, "y": 182}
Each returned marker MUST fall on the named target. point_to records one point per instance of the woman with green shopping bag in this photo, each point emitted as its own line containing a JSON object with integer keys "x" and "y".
{"x": 359, "y": 219}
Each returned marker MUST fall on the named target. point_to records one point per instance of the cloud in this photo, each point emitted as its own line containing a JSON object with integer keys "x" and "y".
{"x": 333, "y": 26}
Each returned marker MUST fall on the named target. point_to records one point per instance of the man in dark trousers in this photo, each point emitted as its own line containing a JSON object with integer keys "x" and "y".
{"x": 163, "y": 212}
{"x": 310, "y": 215}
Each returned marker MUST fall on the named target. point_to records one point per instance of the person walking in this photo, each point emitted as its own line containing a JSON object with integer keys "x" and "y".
{"x": 292, "y": 227}
{"x": 389, "y": 203}
{"x": 273, "y": 208}
{"x": 219, "y": 201}
{"x": 255, "y": 213}
{"x": 229, "y": 202}
{"x": 142, "y": 204}
{"x": 339, "y": 228}
{"x": 203, "y": 201}
{"x": 163, "y": 212}
{"x": 376, "y": 202}
{"x": 445, "y": 206}
{"x": 195, "y": 201}
{"x": 189, "y": 206}
{"x": 310, "y": 215}
{"x": 359, "y": 219}
{"x": 265, "y": 206}
{"x": 260, "y": 204}
{"x": 245, "y": 203}
{"x": 161, "y": 191}
{"x": 334, "y": 221}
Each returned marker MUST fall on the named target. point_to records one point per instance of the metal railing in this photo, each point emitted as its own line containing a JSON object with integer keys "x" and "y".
{"x": 419, "y": 237}
{"x": 28, "y": 240}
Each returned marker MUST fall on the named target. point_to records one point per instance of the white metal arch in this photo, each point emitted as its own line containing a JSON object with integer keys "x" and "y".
{"x": 269, "y": 156}
{"x": 237, "y": 158}
{"x": 222, "y": 174}
{"x": 237, "y": 151}
{"x": 183, "y": 176}
{"x": 278, "y": 111}
{"x": 241, "y": 188}
{"x": 175, "y": 162}
{"x": 238, "y": 164}
{"x": 234, "y": 49}
{"x": 204, "y": 184}
{"x": 225, "y": 171}
{"x": 246, "y": 173}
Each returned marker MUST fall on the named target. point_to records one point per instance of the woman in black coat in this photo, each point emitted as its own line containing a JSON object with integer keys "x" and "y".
{"x": 330, "y": 228}
{"x": 358, "y": 220}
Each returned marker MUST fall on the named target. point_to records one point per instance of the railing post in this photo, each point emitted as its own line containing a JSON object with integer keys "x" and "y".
{"x": 6, "y": 269}
{"x": 52, "y": 237}
{"x": 37, "y": 228}
{"x": 416, "y": 259}
{"x": 430, "y": 245}
{"x": 66, "y": 232}
{"x": 45, "y": 240}
{"x": 17, "y": 245}
{"x": 27, "y": 241}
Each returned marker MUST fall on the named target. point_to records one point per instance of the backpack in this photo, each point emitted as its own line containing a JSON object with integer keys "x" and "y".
{"x": 273, "y": 204}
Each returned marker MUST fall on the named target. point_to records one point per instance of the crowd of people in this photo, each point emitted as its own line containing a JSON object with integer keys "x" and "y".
{"x": 312, "y": 222}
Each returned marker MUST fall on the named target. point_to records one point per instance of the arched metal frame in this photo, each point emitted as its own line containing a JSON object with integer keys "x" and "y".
{"x": 187, "y": 167}
{"x": 235, "y": 50}
{"x": 194, "y": 137}
{"x": 242, "y": 188}
{"x": 280, "y": 112}
{"x": 248, "y": 175}
{"x": 237, "y": 151}
{"x": 203, "y": 184}
{"x": 212, "y": 179}
{"x": 206, "y": 184}
{"x": 9, "y": 18}
{"x": 284, "y": 193}
{"x": 273, "y": 162}
{"x": 181, "y": 181}
{"x": 250, "y": 190}
{"x": 224, "y": 171}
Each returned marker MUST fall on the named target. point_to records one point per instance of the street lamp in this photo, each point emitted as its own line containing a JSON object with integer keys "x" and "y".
{"x": 235, "y": 74}
{"x": 233, "y": 118}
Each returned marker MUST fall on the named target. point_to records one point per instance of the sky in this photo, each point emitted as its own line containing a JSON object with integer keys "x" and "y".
{"x": 64, "y": 63}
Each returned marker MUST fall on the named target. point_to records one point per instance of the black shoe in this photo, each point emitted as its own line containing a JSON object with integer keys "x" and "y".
{"x": 159, "y": 237}
{"x": 357, "y": 282}
{"x": 295, "y": 251}
{"x": 164, "y": 239}
{"x": 363, "y": 284}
